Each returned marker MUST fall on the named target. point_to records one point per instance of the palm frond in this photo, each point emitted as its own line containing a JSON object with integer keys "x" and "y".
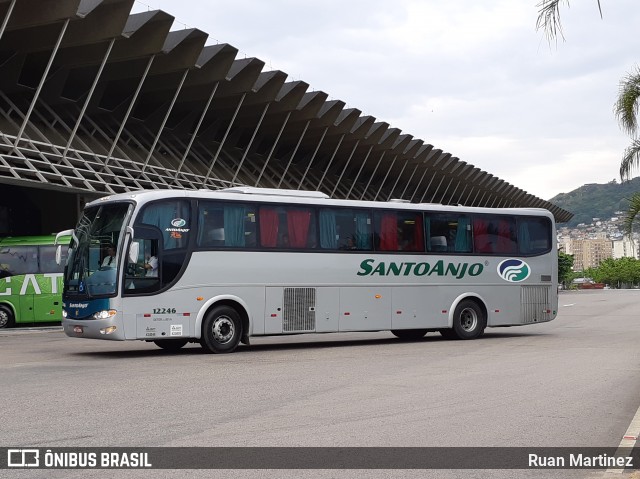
{"x": 630, "y": 160}
{"x": 549, "y": 19}
{"x": 626, "y": 106}
{"x": 632, "y": 213}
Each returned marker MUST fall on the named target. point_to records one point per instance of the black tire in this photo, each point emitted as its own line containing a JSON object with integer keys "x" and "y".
{"x": 448, "y": 333}
{"x": 409, "y": 334}
{"x": 7, "y": 318}
{"x": 221, "y": 330}
{"x": 171, "y": 344}
{"x": 469, "y": 320}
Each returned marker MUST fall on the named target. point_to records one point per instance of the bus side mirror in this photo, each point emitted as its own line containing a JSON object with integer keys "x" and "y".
{"x": 59, "y": 254}
{"x": 134, "y": 251}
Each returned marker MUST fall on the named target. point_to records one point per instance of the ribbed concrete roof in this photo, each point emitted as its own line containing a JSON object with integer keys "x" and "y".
{"x": 128, "y": 103}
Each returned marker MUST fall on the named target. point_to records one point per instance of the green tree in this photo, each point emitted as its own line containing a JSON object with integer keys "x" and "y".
{"x": 625, "y": 108}
{"x": 565, "y": 269}
{"x": 617, "y": 272}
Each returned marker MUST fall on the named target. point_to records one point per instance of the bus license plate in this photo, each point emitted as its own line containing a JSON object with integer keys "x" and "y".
{"x": 77, "y": 329}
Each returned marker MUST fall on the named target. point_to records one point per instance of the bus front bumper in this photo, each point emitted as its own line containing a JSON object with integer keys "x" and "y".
{"x": 111, "y": 328}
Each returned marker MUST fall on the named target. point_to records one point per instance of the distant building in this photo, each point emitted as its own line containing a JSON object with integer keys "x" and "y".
{"x": 589, "y": 253}
{"x": 626, "y": 248}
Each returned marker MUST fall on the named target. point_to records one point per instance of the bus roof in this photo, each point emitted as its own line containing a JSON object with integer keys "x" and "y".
{"x": 41, "y": 240}
{"x": 273, "y": 195}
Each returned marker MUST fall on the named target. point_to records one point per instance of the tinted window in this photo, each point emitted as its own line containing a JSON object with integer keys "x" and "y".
{"x": 398, "y": 231}
{"x": 48, "y": 259}
{"x": 448, "y": 232}
{"x": 345, "y": 229}
{"x": 534, "y": 235}
{"x": 226, "y": 225}
{"x": 494, "y": 235}
{"x": 287, "y": 227}
{"x": 16, "y": 260}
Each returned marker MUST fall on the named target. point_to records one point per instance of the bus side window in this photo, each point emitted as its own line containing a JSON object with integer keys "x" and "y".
{"x": 534, "y": 235}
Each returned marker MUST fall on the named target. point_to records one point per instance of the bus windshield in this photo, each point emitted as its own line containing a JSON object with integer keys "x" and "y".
{"x": 92, "y": 268}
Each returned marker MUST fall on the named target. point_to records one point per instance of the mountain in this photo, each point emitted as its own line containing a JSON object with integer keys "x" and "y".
{"x": 596, "y": 200}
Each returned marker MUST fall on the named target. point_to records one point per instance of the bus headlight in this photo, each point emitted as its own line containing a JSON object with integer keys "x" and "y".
{"x": 105, "y": 314}
{"x": 108, "y": 330}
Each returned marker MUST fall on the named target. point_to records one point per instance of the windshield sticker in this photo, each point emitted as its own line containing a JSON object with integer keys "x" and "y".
{"x": 177, "y": 228}
{"x": 513, "y": 270}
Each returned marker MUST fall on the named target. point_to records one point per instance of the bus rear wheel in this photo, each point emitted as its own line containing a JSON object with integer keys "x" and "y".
{"x": 221, "y": 330}
{"x": 171, "y": 344}
{"x": 7, "y": 318}
{"x": 469, "y": 321}
{"x": 409, "y": 334}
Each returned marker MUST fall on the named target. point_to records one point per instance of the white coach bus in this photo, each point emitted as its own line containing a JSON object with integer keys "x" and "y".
{"x": 217, "y": 267}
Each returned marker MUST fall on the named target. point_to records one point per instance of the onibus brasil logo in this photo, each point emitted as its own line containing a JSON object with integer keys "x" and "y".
{"x": 513, "y": 270}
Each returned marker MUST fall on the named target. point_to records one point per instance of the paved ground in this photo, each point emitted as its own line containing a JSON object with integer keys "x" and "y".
{"x": 572, "y": 382}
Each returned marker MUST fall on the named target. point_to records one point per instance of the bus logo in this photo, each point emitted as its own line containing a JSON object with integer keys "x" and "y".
{"x": 178, "y": 223}
{"x": 514, "y": 270}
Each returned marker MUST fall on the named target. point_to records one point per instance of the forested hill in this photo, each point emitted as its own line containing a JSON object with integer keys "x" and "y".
{"x": 597, "y": 201}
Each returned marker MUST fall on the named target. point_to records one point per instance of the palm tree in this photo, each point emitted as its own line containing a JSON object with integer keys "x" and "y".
{"x": 632, "y": 214}
{"x": 625, "y": 108}
{"x": 549, "y": 18}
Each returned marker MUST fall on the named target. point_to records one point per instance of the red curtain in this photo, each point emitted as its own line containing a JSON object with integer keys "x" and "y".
{"x": 481, "y": 241}
{"x": 389, "y": 232}
{"x": 418, "y": 235}
{"x": 268, "y": 227}
{"x": 505, "y": 245}
{"x": 298, "y": 223}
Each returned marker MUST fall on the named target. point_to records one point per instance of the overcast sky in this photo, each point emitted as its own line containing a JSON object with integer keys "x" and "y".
{"x": 474, "y": 79}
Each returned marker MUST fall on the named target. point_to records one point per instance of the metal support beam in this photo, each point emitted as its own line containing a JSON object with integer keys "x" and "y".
{"x": 304, "y": 176}
{"x": 273, "y": 148}
{"x": 409, "y": 181}
{"x": 129, "y": 110}
{"x": 346, "y": 165}
{"x": 246, "y": 150}
{"x": 165, "y": 119}
{"x": 445, "y": 191}
{"x": 424, "y": 173}
{"x": 393, "y": 162}
{"x": 295, "y": 150}
{"x": 195, "y": 132}
{"x": 326, "y": 170}
{"x": 224, "y": 138}
{"x": 432, "y": 200}
{"x": 6, "y": 17}
{"x": 25, "y": 122}
{"x": 89, "y": 96}
{"x": 359, "y": 171}
{"x": 397, "y": 180}
{"x": 366, "y": 188}
{"x": 426, "y": 190}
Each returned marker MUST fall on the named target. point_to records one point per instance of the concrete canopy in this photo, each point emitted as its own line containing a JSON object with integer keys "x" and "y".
{"x": 97, "y": 100}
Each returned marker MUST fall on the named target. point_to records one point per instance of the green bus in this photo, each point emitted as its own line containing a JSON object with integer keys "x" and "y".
{"x": 30, "y": 280}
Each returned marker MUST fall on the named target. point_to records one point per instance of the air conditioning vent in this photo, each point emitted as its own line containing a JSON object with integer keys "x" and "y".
{"x": 299, "y": 310}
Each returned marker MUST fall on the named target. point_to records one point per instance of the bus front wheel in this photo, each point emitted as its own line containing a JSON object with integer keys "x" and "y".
{"x": 221, "y": 330}
{"x": 469, "y": 321}
{"x": 170, "y": 344}
{"x": 6, "y": 317}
